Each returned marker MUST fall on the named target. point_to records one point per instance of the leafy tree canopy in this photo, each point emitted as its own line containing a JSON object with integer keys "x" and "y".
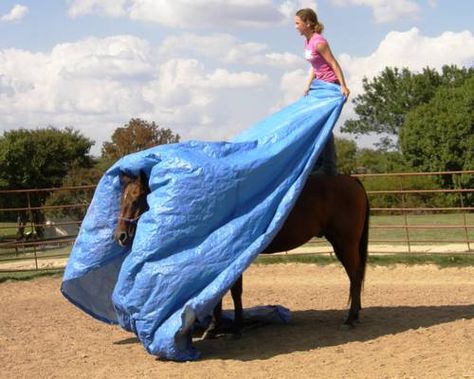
{"x": 379, "y": 161}
{"x": 135, "y": 136}
{"x": 387, "y": 98}
{"x": 346, "y": 154}
{"x": 41, "y": 158}
{"x": 77, "y": 176}
{"x": 439, "y": 135}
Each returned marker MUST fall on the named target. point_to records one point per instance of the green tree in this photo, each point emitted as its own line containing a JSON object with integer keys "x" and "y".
{"x": 380, "y": 161}
{"x": 439, "y": 135}
{"x": 388, "y": 97}
{"x": 39, "y": 159}
{"x": 346, "y": 155}
{"x": 135, "y": 136}
{"x": 81, "y": 197}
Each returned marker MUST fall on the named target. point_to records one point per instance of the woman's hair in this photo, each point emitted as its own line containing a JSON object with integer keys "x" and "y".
{"x": 308, "y": 16}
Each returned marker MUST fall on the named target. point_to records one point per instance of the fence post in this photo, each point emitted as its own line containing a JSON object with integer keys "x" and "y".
{"x": 466, "y": 232}
{"x": 405, "y": 216}
{"x": 32, "y": 225}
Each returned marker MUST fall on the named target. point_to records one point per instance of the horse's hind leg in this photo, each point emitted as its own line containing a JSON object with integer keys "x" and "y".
{"x": 236, "y": 292}
{"x": 348, "y": 255}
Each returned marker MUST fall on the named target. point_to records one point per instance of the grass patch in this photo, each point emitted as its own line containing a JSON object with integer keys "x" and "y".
{"x": 8, "y": 230}
{"x": 29, "y": 253}
{"x": 318, "y": 259}
{"x": 440, "y": 260}
{"x": 28, "y": 275}
{"x": 435, "y": 234}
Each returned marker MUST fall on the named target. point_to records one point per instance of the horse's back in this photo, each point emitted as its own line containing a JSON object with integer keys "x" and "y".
{"x": 340, "y": 192}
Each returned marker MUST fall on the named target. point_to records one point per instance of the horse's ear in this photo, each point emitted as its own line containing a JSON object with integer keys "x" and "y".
{"x": 143, "y": 178}
{"x": 125, "y": 178}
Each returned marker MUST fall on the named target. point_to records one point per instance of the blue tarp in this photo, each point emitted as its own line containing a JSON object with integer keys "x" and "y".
{"x": 214, "y": 206}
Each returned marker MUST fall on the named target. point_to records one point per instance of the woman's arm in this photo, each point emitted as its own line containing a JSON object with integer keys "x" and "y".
{"x": 310, "y": 80}
{"x": 325, "y": 51}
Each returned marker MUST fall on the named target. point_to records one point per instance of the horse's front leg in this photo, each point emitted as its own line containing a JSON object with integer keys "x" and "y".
{"x": 216, "y": 323}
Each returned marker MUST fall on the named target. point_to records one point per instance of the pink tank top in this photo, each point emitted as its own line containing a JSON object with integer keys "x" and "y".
{"x": 321, "y": 69}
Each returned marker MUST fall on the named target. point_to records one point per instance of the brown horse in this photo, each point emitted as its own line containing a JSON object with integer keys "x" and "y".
{"x": 335, "y": 207}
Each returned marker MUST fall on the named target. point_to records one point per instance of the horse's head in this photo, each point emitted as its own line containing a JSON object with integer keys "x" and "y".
{"x": 132, "y": 205}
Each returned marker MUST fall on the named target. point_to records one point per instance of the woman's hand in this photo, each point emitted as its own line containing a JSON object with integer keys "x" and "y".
{"x": 345, "y": 91}
{"x": 306, "y": 90}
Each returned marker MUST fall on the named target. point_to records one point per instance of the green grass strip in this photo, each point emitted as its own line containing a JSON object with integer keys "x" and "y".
{"x": 440, "y": 260}
{"x": 28, "y": 275}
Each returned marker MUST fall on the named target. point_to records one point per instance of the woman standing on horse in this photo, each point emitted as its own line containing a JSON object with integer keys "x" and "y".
{"x": 324, "y": 67}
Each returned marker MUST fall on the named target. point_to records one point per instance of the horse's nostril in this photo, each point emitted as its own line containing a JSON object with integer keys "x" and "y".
{"x": 122, "y": 237}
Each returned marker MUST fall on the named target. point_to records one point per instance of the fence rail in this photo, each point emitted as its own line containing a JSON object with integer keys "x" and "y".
{"x": 34, "y": 243}
{"x": 409, "y": 214}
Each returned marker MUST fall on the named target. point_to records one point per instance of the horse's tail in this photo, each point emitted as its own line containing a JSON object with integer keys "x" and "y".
{"x": 364, "y": 239}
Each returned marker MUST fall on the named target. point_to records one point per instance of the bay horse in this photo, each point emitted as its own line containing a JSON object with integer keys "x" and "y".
{"x": 334, "y": 207}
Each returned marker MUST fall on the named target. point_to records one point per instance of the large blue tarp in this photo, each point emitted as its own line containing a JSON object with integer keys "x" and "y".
{"x": 214, "y": 206}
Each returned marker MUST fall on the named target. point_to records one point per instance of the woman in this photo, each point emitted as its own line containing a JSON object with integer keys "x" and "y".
{"x": 323, "y": 67}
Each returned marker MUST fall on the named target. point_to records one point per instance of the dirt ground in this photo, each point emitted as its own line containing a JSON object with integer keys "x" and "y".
{"x": 417, "y": 322}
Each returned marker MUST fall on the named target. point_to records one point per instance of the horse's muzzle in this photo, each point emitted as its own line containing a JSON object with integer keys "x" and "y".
{"x": 122, "y": 238}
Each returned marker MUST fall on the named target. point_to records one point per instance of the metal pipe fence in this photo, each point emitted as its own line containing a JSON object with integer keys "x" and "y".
{"x": 428, "y": 227}
{"x": 35, "y": 232}
{"x": 415, "y": 218}
{"x": 464, "y": 223}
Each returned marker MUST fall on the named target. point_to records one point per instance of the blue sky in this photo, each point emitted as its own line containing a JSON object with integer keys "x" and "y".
{"x": 208, "y": 69}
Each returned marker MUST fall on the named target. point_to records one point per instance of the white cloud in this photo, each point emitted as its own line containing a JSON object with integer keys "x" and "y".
{"x": 386, "y": 10}
{"x": 290, "y": 7}
{"x": 15, "y": 14}
{"x": 291, "y": 87}
{"x": 405, "y": 49}
{"x": 184, "y": 81}
{"x": 226, "y": 49}
{"x": 187, "y": 96}
{"x": 99, "y": 84}
{"x": 112, "y": 8}
{"x": 190, "y": 14}
{"x": 205, "y": 13}
{"x": 282, "y": 60}
{"x": 412, "y": 50}
{"x": 223, "y": 47}
{"x": 222, "y": 78}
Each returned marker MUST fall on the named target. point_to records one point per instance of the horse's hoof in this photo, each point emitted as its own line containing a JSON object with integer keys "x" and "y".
{"x": 232, "y": 336}
{"x": 346, "y": 327}
{"x": 209, "y": 335}
{"x": 236, "y": 334}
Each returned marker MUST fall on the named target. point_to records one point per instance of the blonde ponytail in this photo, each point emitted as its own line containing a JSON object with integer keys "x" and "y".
{"x": 318, "y": 28}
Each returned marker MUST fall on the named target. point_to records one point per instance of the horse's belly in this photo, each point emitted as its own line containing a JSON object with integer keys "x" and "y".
{"x": 281, "y": 244}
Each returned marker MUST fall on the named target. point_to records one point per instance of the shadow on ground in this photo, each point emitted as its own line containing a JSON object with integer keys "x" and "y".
{"x": 316, "y": 329}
